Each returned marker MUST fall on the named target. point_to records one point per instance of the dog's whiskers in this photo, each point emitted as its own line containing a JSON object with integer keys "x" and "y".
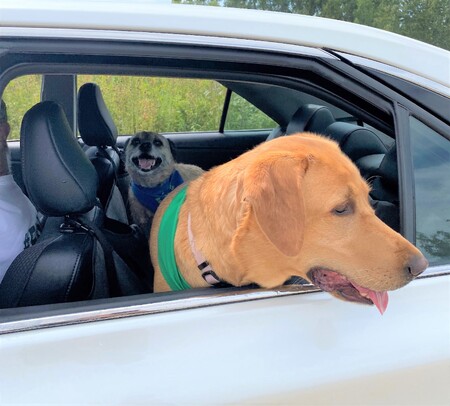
{"x": 371, "y": 179}
{"x": 296, "y": 280}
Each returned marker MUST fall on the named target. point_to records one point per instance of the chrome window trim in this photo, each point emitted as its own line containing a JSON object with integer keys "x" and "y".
{"x": 400, "y": 73}
{"x": 165, "y": 38}
{"x": 437, "y": 270}
{"x": 196, "y": 301}
{"x": 217, "y": 297}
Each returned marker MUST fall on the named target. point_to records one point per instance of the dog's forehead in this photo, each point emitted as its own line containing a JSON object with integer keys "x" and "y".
{"x": 148, "y": 136}
{"x": 329, "y": 166}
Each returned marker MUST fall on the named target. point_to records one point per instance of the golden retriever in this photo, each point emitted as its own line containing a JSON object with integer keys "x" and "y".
{"x": 293, "y": 206}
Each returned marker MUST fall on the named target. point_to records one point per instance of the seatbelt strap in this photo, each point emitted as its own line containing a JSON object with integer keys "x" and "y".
{"x": 105, "y": 154}
{"x": 18, "y": 274}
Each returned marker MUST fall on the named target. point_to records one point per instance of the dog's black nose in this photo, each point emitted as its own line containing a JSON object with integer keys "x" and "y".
{"x": 145, "y": 146}
{"x": 417, "y": 265}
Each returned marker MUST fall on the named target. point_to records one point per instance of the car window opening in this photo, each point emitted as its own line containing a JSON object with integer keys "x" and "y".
{"x": 104, "y": 143}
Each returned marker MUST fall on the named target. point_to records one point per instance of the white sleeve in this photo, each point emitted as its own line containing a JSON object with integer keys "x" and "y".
{"x": 17, "y": 222}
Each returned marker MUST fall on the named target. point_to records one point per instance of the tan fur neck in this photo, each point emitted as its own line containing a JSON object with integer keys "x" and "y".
{"x": 208, "y": 234}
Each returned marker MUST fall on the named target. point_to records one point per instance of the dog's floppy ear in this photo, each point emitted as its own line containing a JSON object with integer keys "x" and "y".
{"x": 173, "y": 149}
{"x": 272, "y": 196}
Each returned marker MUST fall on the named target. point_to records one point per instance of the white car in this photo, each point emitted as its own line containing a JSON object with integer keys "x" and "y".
{"x": 262, "y": 75}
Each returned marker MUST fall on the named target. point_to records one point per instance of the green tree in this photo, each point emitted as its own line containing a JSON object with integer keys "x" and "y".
{"x": 309, "y": 7}
{"x": 425, "y": 20}
{"x": 340, "y": 10}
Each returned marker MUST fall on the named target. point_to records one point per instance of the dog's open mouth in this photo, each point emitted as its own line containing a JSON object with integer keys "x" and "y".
{"x": 333, "y": 282}
{"x": 146, "y": 162}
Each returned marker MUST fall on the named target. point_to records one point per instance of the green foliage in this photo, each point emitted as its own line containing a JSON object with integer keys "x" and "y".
{"x": 20, "y": 95}
{"x": 160, "y": 104}
{"x": 425, "y": 20}
{"x": 173, "y": 105}
{"x": 148, "y": 103}
{"x": 242, "y": 115}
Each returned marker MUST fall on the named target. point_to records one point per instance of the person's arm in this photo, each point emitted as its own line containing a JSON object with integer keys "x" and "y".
{"x": 4, "y": 165}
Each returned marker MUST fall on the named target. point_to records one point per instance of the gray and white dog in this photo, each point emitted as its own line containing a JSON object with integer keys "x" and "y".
{"x": 154, "y": 173}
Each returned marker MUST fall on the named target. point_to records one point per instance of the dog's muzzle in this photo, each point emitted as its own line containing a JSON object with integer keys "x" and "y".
{"x": 333, "y": 282}
{"x": 146, "y": 162}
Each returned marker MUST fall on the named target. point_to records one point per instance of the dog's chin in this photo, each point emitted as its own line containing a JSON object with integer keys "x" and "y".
{"x": 341, "y": 287}
{"x": 146, "y": 163}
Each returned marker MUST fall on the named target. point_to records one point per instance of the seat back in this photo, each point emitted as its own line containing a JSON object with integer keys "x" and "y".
{"x": 360, "y": 144}
{"x": 99, "y": 133}
{"x": 68, "y": 262}
{"x": 309, "y": 117}
{"x": 376, "y": 163}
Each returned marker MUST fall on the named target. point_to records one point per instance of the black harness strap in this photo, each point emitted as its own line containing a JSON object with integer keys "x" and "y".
{"x": 19, "y": 272}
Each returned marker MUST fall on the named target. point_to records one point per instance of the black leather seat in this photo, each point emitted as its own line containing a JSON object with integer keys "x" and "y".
{"x": 360, "y": 144}
{"x": 310, "y": 117}
{"x": 98, "y": 131}
{"x": 67, "y": 263}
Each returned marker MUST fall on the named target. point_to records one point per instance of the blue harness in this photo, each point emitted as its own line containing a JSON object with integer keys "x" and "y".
{"x": 151, "y": 197}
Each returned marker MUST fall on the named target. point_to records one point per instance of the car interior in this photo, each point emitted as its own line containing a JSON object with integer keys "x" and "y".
{"x": 87, "y": 222}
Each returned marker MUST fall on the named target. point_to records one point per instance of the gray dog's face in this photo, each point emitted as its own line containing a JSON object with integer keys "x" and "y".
{"x": 149, "y": 159}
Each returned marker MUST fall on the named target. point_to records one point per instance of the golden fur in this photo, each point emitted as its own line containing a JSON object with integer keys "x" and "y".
{"x": 271, "y": 214}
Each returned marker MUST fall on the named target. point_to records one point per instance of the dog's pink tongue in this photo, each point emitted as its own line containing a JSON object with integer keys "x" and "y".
{"x": 379, "y": 299}
{"x": 146, "y": 163}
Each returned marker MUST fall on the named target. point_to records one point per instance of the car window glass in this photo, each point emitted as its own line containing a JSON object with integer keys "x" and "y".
{"x": 244, "y": 116}
{"x": 160, "y": 104}
{"x": 431, "y": 159}
{"x": 20, "y": 95}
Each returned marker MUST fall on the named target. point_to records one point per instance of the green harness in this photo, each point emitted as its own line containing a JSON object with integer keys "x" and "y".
{"x": 166, "y": 238}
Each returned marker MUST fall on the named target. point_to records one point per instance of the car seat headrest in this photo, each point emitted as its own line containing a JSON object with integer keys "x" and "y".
{"x": 95, "y": 123}
{"x": 388, "y": 167}
{"x": 385, "y": 183}
{"x": 310, "y": 117}
{"x": 58, "y": 176}
{"x": 354, "y": 140}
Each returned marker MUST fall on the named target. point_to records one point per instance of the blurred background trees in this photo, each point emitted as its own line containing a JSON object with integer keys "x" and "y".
{"x": 425, "y": 20}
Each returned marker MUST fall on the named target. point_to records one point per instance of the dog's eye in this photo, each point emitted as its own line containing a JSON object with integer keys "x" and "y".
{"x": 135, "y": 141}
{"x": 157, "y": 143}
{"x": 343, "y": 209}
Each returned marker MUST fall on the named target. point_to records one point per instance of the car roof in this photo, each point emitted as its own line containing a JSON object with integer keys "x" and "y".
{"x": 388, "y": 48}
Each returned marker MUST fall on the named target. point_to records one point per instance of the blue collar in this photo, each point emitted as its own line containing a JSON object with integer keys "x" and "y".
{"x": 151, "y": 197}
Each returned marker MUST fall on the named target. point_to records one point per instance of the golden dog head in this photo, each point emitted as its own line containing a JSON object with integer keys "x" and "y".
{"x": 304, "y": 210}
